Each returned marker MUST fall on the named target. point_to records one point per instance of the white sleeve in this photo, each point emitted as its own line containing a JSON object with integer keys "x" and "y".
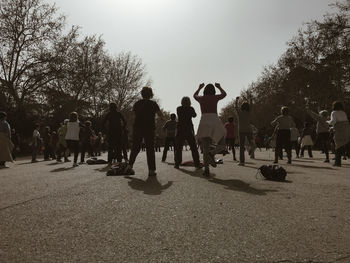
{"x": 333, "y": 118}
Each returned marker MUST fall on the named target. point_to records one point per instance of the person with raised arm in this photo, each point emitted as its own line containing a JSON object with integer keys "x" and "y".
{"x": 210, "y": 130}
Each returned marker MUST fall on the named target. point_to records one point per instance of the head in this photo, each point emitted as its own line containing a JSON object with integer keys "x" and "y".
{"x": 147, "y": 93}
{"x": 209, "y": 89}
{"x": 65, "y": 121}
{"x": 3, "y": 115}
{"x": 37, "y": 126}
{"x": 47, "y": 129}
{"x": 323, "y": 113}
{"x": 73, "y": 116}
{"x": 284, "y": 111}
{"x": 112, "y": 106}
{"x": 230, "y": 120}
{"x": 245, "y": 106}
{"x": 13, "y": 131}
{"x": 88, "y": 123}
{"x": 337, "y": 105}
{"x": 186, "y": 101}
{"x": 173, "y": 116}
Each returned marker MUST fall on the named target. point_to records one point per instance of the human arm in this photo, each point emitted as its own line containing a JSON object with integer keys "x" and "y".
{"x": 223, "y": 92}
{"x": 333, "y": 120}
{"x": 275, "y": 121}
{"x": 196, "y": 94}
{"x": 194, "y": 114}
{"x": 313, "y": 115}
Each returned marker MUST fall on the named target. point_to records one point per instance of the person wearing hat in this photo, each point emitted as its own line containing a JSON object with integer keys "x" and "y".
{"x": 322, "y": 129}
{"x": 6, "y": 146}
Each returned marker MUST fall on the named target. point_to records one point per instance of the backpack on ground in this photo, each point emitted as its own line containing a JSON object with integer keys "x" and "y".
{"x": 119, "y": 169}
{"x": 94, "y": 160}
{"x": 273, "y": 172}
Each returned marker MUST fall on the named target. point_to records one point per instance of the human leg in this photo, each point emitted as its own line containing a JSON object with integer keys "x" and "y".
{"x": 151, "y": 157}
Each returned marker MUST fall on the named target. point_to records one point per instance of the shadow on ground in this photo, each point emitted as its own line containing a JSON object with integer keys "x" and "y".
{"x": 149, "y": 187}
{"x": 62, "y": 169}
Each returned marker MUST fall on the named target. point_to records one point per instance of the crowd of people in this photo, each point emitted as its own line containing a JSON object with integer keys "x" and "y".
{"x": 211, "y": 138}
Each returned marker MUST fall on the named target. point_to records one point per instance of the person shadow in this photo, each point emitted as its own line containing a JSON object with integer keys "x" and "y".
{"x": 230, "y": 184}
{"x": 149, "y": 187}
{"x": 62, "y": 169}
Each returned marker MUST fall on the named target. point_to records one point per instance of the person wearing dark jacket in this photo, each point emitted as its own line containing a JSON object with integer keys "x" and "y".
{"x": 86, "y": 147}
{"x": 114, "y": 121}
{"x": 185, "y": 132}
{"x": 306, "y": 139}
{"x": 170, "y": 130}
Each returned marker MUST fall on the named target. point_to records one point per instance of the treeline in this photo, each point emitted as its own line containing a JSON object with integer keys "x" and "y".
{"x": 48, "y": 70}
{"x": 314, "y": 69}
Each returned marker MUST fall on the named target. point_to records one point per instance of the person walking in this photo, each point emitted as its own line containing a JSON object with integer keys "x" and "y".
{"x": 72, "y": 136}
{"x": 231, "y": 136}
{"x": 170, "y": 132}
{"x": 322, "y": 130}
{"x": 285, "y": 123}
{"x": 113, "y": 121}
{"x": 210, "y": 130}
{"x": 244, "y": 127}
{"x": 145, "y": 111}
{"x": 340, "y": 122}
{"x": 185, "y": 132}
{"x": 6, "y": 146}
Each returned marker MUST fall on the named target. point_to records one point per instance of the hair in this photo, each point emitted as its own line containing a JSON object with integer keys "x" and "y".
{"x": 3, "y": 115}
{"x": 285, "y": 111}
{"x": 186, "y": 101}
{"x": 147, "y": 93}
{"x": 337, "y": 105}
{"x": 88, "y": 123}
{"x": 37, "y": 126}
{"x": 112, "y": 106}
{"x": 47, "y": 128}
{"x": 65, "y": 121}
{"x": 245, "y": 106}
{"x": 230, "y": 119}
{"x": 173, "y": 116}
{"x": 73, "y": 116}
{"x": 209, "y": 89}
{"x": 323, "y": 113}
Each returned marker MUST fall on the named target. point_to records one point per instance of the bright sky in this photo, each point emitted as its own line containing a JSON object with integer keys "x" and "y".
{"x": 186, "y": 42}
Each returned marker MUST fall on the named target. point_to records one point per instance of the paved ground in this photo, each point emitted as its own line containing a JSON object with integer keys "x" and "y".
{"x": 54, "y": 213}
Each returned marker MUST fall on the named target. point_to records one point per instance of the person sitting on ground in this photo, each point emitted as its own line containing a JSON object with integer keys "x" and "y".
{"x": 185, "y": 132}
{"x": 231, "y": 136}
{"x": 170, "y": 132}
{"x": 306, "y": 139}
{"x": 284, "y": 122}
{"x": 6, "y": 146}
{"x": 144, "y": 128}
{"x": 340, "y": 122}
{"x": 210, "y": 130}
{"x": 244, "y": 127}
{"x": 72, "y": 136}
{"x": 322, "y": 129}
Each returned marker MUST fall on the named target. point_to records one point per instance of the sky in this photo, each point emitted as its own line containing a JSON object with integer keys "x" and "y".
{"x": 187, "y": 42}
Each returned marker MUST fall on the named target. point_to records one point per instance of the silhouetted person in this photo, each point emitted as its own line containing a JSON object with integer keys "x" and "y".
{"x": 6, "y": 146}
{"x": 86, "y": 135}
{"x": 231, "y": 136}
{"x": 244, "y": 128}
{"x": 16, "y": 143}
{"x": 306, "y": 139}
{"x": 72, "y": 136}
{"x": 170, "y": 132}
{"x": 114, "y": 121}
{"x": 144, "y": 128}
{"x": 125, "y": 143}
{"x": 322, "y": 130}
{"x": 284, "y": 123}
{"x": 185, "y": 132}
{"x": 294, "y": 137}
{"x": 340, "y": 123}
{"x": 211, "y": 130}
{"x": 47, "y": 143}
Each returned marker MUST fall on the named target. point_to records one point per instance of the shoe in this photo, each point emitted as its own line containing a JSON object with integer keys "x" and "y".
{"x": 34, "y": 161}
{"x": 241, "y": 164}
{"x": 235, "y": 159}
{"x": 66, "y": 160}
{"x": 326, "y": 161}
{"x": 206, "y": 173}
{"x": 152, "y": 173}
{"x": 176, "y": 166}
{"x": 75, "y": 164}
{"x": 82, "y": 162}
{"x": 212, "y": 160}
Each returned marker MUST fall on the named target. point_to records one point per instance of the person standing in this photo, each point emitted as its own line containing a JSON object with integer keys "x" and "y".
{"x": 16, "y": 143}
{"x": 294, "y": 136}
{"x": 185, "y": 132}
{"x": 72, "y": 136}
{"x": 322, "y": 129}
{"x": 114, "y": 121}
{"x": 170, "y": 132}
{"x": 210, "y": 130}
{"x": 47, "y": 145}
{"x": 285, "y": 123}
{"x": 306, "y": 139}
{"x": 341, "y": 126}
{"x": 145, "y": 111}
{"x": 6, "y": 146}
{"x": 231, "y": 136}
{"x": 86, "y": 147}
{"x": 62, "y": 144}
{"x": 244, "y": 127}
{"x": 36, "y": 143}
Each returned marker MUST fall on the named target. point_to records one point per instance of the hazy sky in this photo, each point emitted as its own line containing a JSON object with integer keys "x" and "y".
{"x": 186, "y": 42}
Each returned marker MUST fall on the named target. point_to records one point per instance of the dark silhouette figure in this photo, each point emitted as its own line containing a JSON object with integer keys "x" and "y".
{"x": 170, "y": 131}
{"x": 230, "y": 136}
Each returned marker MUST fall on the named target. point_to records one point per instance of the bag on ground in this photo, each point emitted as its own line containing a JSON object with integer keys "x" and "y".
{"x": 273, "y": 172}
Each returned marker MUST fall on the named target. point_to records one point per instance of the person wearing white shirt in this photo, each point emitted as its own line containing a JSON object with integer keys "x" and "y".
{"x": 72, "y": 135}
{"x": 340, "y": 123}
